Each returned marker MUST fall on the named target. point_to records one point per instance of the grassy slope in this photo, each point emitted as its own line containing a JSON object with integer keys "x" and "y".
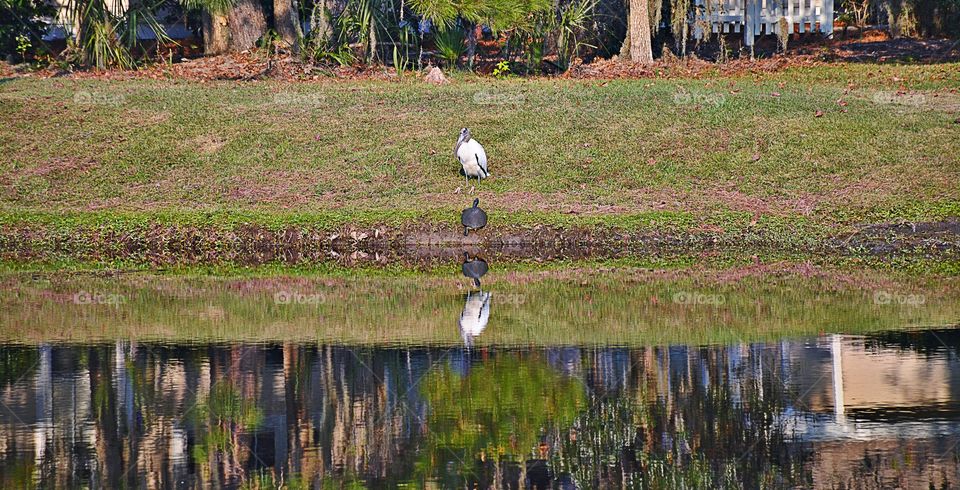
{"x": 562, "y": 152}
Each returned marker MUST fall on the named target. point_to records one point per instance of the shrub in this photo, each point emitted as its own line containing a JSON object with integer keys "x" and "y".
{"x": 22, "y": 26}
{"x": 450, "y": 46}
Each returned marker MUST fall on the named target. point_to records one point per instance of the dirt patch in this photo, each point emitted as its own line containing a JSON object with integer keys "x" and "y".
{"x": 208, "y": 144}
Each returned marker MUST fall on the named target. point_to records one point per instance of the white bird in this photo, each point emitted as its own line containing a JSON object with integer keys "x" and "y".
{"x": 472, "y": 157}
{"x": 475, "y": 315}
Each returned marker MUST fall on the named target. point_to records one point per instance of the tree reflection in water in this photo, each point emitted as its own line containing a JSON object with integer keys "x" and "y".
{"x": 257, "y": 415}
{"x": 501, "y": 410}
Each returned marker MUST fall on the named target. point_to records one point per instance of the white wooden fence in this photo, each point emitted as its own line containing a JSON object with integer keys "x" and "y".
{"x": 762, "y": 17}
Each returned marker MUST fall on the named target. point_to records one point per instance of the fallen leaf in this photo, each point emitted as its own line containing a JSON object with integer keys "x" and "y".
{"x": 775, "y": 94}
{"x": 756, "y": 157}
{"x": 651, "y": 161}
{"x": 818, "y": 114}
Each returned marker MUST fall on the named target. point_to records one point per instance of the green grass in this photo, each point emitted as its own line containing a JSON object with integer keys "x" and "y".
{"x": 562, "y": 152}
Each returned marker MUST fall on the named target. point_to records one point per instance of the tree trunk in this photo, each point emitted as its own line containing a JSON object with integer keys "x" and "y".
{"x": 637, "y": 46}
{"x": 288, "y": 23}
{"x": 320, "y": 20}
{"x": 247, "y": 24}
{"x": 216, "y": 35}
{"x": 471, "y": 43}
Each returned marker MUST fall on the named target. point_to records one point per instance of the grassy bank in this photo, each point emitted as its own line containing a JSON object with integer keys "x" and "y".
{"x": 792, "y": 157}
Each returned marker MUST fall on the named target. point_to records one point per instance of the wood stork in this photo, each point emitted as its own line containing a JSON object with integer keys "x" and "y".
{"x": 472, "y": 157}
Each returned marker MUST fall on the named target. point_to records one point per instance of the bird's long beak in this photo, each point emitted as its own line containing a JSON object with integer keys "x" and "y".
{"x": 457, "y": 146}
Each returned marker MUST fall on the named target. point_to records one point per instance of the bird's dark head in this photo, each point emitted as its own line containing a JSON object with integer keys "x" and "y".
{"x": 476, "y": 202}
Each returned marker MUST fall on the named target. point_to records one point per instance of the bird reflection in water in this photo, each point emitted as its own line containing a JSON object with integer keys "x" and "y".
{"x": 476, "y": 308}
{"x": 475, "y": 315}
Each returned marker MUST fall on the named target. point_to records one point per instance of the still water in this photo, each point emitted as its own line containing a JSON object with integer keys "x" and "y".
{"x": 860, "y": 393}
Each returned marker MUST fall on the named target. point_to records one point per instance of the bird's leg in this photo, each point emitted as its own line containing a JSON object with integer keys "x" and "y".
{"x": 465, "y": 231}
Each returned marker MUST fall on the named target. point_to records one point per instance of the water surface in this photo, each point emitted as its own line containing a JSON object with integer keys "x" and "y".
{"x": 566, "y": 380}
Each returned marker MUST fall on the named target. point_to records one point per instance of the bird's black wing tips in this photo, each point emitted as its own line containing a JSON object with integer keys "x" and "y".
{"x": 482, "y": 169}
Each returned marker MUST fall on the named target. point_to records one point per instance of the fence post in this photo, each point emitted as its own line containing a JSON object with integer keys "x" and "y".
{"x": 826, "y": 18}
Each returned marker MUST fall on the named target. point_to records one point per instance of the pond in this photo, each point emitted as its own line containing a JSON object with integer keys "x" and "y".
{"x": 786, "y": 376}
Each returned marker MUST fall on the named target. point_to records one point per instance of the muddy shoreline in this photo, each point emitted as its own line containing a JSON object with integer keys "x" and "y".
{"x": 165, "y": 245}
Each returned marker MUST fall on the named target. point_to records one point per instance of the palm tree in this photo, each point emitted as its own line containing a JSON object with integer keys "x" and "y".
{"x": 637, "y": 45}
{"x": 499, "y": 15}
{"x": 216, "y": 33}
{"x": 237, "y": 25}
{"x": 288, "y": 23}
{"x": 106, "y": 34}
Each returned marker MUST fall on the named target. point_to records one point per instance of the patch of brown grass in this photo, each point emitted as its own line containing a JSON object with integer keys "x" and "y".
{"x": 282, "y": 188}
{"x": 58, "y": 166}
{"x": 207, "y": 144}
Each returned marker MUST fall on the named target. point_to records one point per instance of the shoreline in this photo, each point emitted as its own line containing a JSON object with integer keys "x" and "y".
{"x": 154, "y": 242}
